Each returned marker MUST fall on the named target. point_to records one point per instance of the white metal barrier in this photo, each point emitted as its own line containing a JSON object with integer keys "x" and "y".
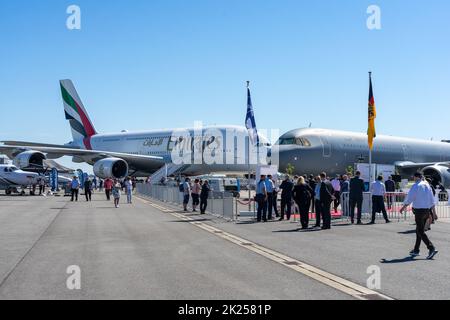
{"x": 394, "y": 202}
{"x": 220, "y": 204}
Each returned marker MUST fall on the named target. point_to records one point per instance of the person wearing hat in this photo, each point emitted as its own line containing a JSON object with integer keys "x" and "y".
{"x": 422, "y": 200}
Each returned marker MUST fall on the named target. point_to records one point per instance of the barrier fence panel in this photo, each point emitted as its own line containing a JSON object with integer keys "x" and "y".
{"x": 224, "y": 205}
{"x": 220, "y": 204}
{"x": 394, "y": 202}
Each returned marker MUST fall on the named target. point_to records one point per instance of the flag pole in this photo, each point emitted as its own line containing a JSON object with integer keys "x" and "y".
{"x": 370, "y": 148}
{"x": 370, "y": 162}
{"x": 249, "y": 167}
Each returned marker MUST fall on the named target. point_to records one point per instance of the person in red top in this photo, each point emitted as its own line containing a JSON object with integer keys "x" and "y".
{"x": 108, "y": 184}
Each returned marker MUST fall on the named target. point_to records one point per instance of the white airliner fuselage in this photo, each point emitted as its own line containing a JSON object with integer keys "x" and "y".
{"x": 213, "y": 149}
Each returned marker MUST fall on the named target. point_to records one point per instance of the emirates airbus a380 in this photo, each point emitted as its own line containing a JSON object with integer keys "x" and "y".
{"x": 190, "y": 151}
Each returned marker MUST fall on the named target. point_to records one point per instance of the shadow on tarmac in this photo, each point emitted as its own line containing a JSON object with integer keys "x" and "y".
{"x": 189, "y": 221}
{"x": 287, "y": 231}
{"x": 407, "y": 232}
{"x": 404, "y": 260}
{"x": 298, "y": 230}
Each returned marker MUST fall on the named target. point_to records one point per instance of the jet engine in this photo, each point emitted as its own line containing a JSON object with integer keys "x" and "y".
{"x": 29, "y": 159}
{"x": 111, "y": 168}
{"x": 438, "y": 173}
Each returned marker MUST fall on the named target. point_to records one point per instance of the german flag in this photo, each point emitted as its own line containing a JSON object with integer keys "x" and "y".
{"x": 371, "y": 133}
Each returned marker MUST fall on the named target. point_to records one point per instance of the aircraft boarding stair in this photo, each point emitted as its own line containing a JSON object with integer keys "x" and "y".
{"x": 167, "y": 171}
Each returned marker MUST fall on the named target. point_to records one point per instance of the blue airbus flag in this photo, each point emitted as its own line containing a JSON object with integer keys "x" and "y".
{"x": 81, "y": 178}
{"x": 54, "y": 179}
{"x": 250, "y": 122}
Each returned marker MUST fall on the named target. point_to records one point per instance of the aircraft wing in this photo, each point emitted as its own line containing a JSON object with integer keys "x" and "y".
{"x": 135, "y": 162}
{"x": 407, "y": 165}
{"x": 34, "y": 144}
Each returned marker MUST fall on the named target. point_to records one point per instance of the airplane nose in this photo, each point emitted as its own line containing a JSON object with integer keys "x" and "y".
{"x": 288, "y": 157}
{"x": 33, "y": 177}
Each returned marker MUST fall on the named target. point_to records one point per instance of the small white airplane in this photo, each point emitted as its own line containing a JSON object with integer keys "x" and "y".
{"x": 12, "y": 178}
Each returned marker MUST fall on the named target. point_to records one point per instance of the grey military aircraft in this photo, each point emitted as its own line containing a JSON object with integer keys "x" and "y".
{"x": 311, "y": 151}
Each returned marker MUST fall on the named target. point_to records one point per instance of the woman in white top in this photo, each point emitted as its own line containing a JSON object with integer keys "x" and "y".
{"x": 129, "y": 189}
{"x": 195, "y": 193}
{"x": 116, "y": 191}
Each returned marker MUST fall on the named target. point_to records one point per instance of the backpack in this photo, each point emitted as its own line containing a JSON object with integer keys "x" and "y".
{"x": 181, "y": 187}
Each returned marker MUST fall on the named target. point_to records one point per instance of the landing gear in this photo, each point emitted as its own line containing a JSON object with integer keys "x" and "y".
{"x": 8, "y": 192}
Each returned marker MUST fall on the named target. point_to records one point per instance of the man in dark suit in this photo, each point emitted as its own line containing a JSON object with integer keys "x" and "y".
{"x": 356, "y": 196}
{"x": 326, "y": 198}
{"x": 286, "y": 198}
{"x": 390, "y": 188}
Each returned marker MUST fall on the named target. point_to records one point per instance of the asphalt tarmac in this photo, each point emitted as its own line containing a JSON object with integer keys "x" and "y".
{"x": 150, "y": 250}
{"x": 133, "y": 252}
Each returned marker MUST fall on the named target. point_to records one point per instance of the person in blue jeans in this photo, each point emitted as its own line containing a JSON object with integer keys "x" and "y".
{"x": 129, "y": 189}
{"x": 270, "y": 187}
{"x": 186, "y": 193}
{"x": 75, "y": 187}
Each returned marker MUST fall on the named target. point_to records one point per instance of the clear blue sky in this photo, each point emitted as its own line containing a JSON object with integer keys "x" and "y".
{"x": 166, "y": 63}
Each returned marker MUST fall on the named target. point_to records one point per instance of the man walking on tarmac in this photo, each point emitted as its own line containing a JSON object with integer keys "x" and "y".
{"x": 378, "y": 190}
{"x": 422, "y": 200}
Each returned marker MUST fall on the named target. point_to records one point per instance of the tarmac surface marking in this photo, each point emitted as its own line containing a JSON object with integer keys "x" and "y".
{"x": 350, "y": 288}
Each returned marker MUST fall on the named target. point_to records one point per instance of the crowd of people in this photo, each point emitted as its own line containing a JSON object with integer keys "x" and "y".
{"x": 112, "y": 187}
{"x": 320, "y": 195}
{"x": 313, "y": 194}
{"x": 198, "y": 191}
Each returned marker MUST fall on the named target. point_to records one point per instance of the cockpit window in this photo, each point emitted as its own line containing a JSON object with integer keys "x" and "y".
{"x": 14, "y": 169}
{"x": 286, "y": 141}
{"x": 304, "y": 142}
{"x": 295, "y": 141}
